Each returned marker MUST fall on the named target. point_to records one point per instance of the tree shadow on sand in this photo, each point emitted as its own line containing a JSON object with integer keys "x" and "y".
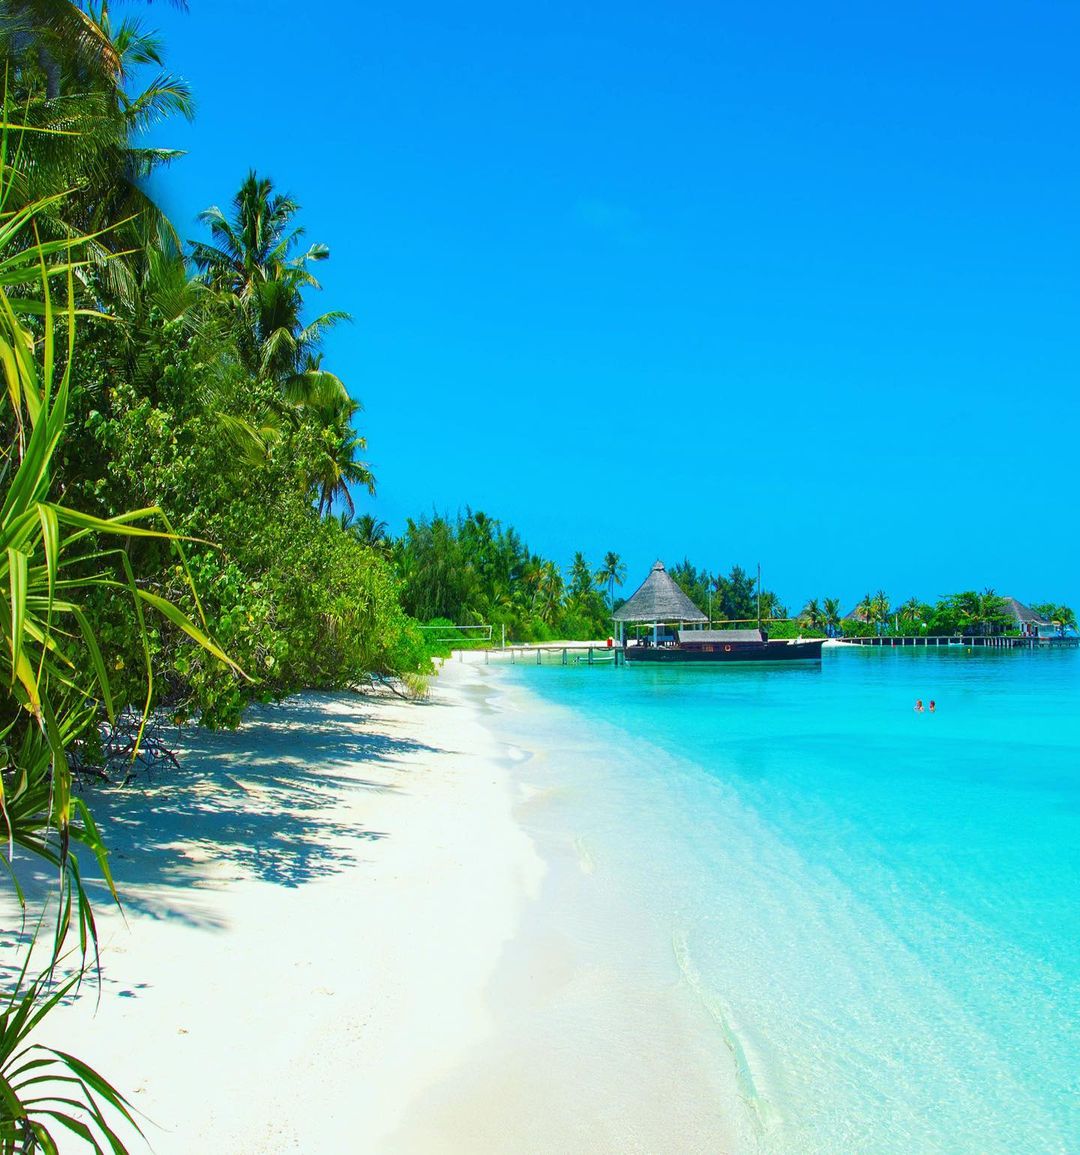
{"x": 262, "y": 801}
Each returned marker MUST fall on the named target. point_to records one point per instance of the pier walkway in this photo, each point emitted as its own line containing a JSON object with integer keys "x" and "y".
{"x": 991, "y": 641}
{"x": 550, "y": 654}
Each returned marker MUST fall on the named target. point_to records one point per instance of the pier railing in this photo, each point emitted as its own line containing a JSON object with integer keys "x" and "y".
{"x": 597, "y": 654}
{"x": 987, "y": 641}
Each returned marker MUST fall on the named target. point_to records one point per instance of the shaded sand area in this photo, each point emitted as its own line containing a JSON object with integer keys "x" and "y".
{"x": 314, "y": 906}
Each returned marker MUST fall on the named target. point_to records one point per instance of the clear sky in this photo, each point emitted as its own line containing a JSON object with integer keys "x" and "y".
{"x": 780, "y": 282}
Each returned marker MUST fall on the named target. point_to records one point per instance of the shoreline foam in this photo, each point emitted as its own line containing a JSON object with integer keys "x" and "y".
{"x": 598, "y": 1044}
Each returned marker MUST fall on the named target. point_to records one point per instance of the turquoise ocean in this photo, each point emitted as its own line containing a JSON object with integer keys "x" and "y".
{"x": 874, "y": 913}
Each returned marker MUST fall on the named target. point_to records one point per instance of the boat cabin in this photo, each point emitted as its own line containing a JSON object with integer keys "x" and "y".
{"x": 709, "y": 641}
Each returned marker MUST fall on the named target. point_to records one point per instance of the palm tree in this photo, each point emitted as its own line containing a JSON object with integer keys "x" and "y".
{"x": 1065, "y": 617}
{"x": 166, "y": 95}
{"x": 70, "y": 83}
{"x": 880, "y": 607}
{"x": 812, "y": 615}
{"x": 253, "y": 261}
{"x": 338, "y": 466}
{"x": 910, "y": 613}
{"x": 771, "y": 606}
{"x": 254, "y": 244}
{"x": 372, "y": 532}
{"x": 612, "y": 573}
{"x": 48, "y": 36}
{"x": 581, "y": 580}
{"x": 831, "y": 612}
{"x": 549, "y": 586}
{"x": 477, "y": 534}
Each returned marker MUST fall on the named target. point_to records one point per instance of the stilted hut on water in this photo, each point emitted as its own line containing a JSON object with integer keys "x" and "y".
{"x": 1029, "y": 622}
{"x": 657, "y": 602}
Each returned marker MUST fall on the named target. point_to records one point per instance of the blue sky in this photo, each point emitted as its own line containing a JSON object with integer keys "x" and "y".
{"x": 779, "y": 282}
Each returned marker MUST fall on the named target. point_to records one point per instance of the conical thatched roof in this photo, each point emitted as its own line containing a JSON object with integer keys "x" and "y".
{"x": 659, "y": 599}
{"x": 1023, "y": 613}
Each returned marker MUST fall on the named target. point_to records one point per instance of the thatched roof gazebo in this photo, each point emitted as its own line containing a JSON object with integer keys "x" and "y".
{"x": 1024, "y": 615}
{"x": 658, "y": 601}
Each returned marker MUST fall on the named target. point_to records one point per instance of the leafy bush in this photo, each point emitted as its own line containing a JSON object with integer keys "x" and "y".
{"x": 790, "y": 628}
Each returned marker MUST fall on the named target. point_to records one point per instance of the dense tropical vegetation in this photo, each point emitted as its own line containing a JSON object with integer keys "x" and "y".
{"x": 172, "y": 448}
{"x": 967, "y": 613}
{"x": 732, "y": 599}
{"x": 61, "y": 565}
{"x": 473, "y": 570}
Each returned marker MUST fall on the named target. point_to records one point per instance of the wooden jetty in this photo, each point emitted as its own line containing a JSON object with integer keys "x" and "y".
{"x": 599, "y": 655}
{"x": 561, "y": 654}
{"x": 988, "y": 641}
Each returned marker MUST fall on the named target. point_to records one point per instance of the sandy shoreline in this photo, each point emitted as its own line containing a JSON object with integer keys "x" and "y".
{"x": 489, "y": 924}
{"x": 314, "y": 909}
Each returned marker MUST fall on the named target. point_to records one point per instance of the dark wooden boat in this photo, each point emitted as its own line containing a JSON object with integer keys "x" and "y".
{"x": 724, "y": 646}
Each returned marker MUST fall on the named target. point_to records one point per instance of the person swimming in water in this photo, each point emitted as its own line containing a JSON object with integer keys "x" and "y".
{"x": 918, "y": 706}
{"x": 933, "y": 705}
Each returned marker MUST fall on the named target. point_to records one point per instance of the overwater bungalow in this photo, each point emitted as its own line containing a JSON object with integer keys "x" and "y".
{"x": 1029, "y": 622}
{"x": 1032, "y": 624}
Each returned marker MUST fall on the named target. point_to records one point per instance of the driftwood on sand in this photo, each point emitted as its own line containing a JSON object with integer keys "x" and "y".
{"x": 126, "y": 749}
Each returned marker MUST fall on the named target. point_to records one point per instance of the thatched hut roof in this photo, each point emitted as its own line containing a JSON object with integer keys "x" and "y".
{"x": 659, "y": 599}
{"x": 1022, "y": 613}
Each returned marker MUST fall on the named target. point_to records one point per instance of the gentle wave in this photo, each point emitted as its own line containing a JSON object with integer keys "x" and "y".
{"x": 762, "y": 1115}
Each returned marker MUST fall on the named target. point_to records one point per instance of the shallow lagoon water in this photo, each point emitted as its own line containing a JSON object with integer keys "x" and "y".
{"x": 877, "y": 911}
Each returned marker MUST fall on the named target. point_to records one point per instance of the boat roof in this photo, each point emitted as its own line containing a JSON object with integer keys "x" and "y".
{"x": 713, "y": 636}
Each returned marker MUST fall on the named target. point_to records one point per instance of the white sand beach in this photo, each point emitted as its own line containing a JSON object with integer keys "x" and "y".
{"x": 313, "y": 908}
{"x": 349, "y": 926}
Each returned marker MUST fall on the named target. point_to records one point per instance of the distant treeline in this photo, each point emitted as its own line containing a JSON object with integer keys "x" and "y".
{"x": 473, "y": 569}
{"x": 968, "y": 612}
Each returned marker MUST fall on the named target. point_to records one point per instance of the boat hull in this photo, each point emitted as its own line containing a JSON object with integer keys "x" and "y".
{"x": 777, "y": 651}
